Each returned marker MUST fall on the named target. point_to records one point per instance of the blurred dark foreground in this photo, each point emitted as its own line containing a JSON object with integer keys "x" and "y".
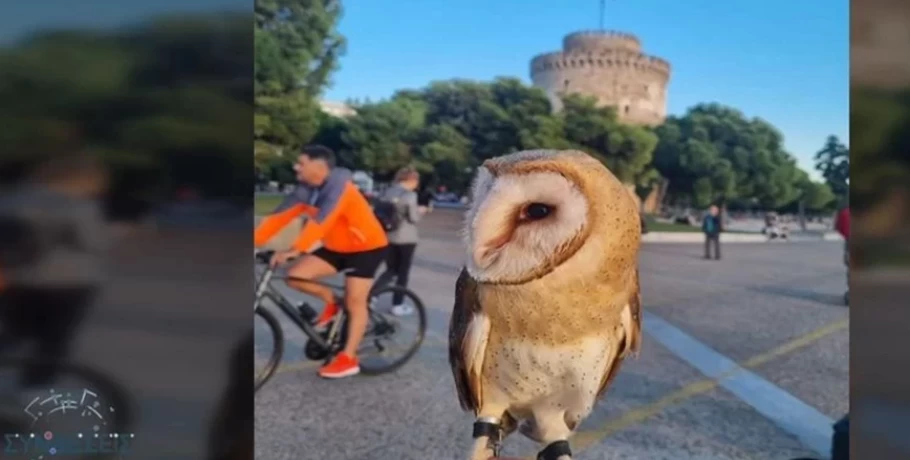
{"x": 880, "y": 240}
{"x": 162, "y": 101}
{"x": 166, "y": 328}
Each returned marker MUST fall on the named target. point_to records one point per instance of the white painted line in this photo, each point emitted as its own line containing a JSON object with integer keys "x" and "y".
{"x": 809, "y": 425}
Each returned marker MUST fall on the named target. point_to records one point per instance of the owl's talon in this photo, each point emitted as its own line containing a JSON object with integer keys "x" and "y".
{"x": 555, "y": 451}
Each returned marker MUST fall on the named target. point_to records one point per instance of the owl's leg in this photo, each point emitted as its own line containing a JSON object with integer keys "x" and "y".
{"x": 529, "y": 429}
{"x": 487, "y": 438}
{"x": 553, "y": 433}
{"x": 509, "y": 424}
{"x": 489, "y": 426}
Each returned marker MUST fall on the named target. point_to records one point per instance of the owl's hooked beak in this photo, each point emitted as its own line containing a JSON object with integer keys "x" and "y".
{"x": 484, "y": 257}
{"x": 485, "y": 254}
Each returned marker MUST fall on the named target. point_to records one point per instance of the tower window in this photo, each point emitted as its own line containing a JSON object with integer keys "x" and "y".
{"x": 627, "y": 109}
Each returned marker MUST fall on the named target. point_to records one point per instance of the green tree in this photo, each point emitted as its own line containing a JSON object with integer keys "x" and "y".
{"x": 714, "y": 153}
{"x": 162, "y": 103}
{"x": 833, "y": 161}
{"x": 449, "y": 128}
{"x": 815, "y": 196}
{"x": 381, "y": 137}
{"x": 818, "y": 196}
{"x": 626, "y": 150}
{"x": 296, "y": 49}
{"x": 696, "y": 172}
{"x": 332, "y": 132}
{"x": 444, "y": 157}
{"x": 497, "y": 118}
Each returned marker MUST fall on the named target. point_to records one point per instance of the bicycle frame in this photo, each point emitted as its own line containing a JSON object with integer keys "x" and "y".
{"x": 264, "y": 289}
{"x": 379, "y": 327}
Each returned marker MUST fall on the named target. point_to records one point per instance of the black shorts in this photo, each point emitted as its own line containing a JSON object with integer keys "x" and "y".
{"x": 361, "y": 264}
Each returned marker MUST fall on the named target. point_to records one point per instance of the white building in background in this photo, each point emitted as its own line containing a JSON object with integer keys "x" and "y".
{"x": 337, "y": 109}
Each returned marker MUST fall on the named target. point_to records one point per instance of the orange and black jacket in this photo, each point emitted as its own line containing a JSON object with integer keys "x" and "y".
{"x": 339, "y": 216}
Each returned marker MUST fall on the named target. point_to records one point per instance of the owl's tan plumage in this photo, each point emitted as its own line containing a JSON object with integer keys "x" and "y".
{"x": 548, "y": 304}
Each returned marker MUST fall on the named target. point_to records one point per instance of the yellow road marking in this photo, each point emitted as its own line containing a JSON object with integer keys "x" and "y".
{"x": 585, "y": 439}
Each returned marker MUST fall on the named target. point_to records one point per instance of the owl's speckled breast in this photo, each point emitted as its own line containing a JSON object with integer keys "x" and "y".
{"x": 530, "y": 374}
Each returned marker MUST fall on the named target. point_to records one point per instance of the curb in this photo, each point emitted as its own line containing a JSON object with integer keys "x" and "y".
{"x": 698, "y": 237}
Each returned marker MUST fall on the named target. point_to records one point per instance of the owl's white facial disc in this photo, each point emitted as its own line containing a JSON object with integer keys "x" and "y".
{"x": 517, "y": 223}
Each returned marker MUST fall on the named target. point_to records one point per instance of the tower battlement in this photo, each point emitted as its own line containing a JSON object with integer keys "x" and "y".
{"x": 595, "y": 40}
{"x": 605, "y": 60}
{"x": 610, "y": 67}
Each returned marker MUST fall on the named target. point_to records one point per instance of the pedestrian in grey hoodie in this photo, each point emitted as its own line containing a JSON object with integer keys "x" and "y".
{"x": 403, "y": 240}
{"x": 51, "y": 249}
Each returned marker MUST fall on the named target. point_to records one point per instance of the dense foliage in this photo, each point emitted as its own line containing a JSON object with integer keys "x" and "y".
{"x": 296, "y": 50}
{"x": 166, "y": 103}
{"x": 712, "y": 154}
{"x": 715, "y": 154}
{"x": 879, "y": 120}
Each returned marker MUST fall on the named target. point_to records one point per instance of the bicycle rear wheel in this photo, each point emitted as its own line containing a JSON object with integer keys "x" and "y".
{"x": 270, "y": 366}
{"x": 385, "y": 346}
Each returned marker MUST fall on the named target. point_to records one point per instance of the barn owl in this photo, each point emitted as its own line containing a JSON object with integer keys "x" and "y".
{"x": 547, "y": 305}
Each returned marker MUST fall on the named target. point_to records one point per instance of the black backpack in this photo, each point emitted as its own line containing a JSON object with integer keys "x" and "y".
{"x": 386, "y": 210}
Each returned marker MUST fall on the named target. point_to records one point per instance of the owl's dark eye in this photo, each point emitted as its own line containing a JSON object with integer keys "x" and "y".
{"x": 537, "y": 211}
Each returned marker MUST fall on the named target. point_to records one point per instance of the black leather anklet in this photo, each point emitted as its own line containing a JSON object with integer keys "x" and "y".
{"x": 490, "y": 430}
{"x": 554, "y": 451}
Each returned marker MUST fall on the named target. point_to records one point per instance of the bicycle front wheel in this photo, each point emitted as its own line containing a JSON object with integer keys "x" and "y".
{"x": 263, "y": 371}
{"x": 393, "y": 335}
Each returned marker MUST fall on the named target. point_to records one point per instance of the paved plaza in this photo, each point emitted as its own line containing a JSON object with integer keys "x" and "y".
{"x": 745, "y": 358}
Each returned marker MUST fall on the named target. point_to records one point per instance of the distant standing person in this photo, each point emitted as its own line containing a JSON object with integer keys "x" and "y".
{"x": 712, "y": 226}
{"x": 426, "y": 199}
{"x": 842, "y": 225}
{"x": 402, "y": 239}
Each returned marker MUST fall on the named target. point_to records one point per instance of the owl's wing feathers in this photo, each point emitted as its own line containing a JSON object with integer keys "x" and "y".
{"x": 631, "y": 341}
{"x": 468, "y": 332}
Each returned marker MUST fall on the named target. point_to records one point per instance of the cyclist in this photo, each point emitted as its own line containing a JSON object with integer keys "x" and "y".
{"x": 352, "y": 238}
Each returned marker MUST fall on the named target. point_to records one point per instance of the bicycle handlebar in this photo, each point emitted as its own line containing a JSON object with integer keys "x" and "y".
{"x": 264, "y": 256}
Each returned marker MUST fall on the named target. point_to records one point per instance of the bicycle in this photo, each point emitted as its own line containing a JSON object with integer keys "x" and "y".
{"x": 94, "y": 390}
{"x": 325, "y": 344}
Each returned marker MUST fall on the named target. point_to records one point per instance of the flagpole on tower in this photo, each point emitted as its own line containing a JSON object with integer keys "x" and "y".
{"x": 603, "y": 7}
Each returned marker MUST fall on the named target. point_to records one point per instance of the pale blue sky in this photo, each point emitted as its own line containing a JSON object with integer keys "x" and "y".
{"x": 22, "y": 18}
{"x": 785, "y": 61}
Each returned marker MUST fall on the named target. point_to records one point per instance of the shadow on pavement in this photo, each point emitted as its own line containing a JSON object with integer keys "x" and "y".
{"x": 800, "y": 294}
